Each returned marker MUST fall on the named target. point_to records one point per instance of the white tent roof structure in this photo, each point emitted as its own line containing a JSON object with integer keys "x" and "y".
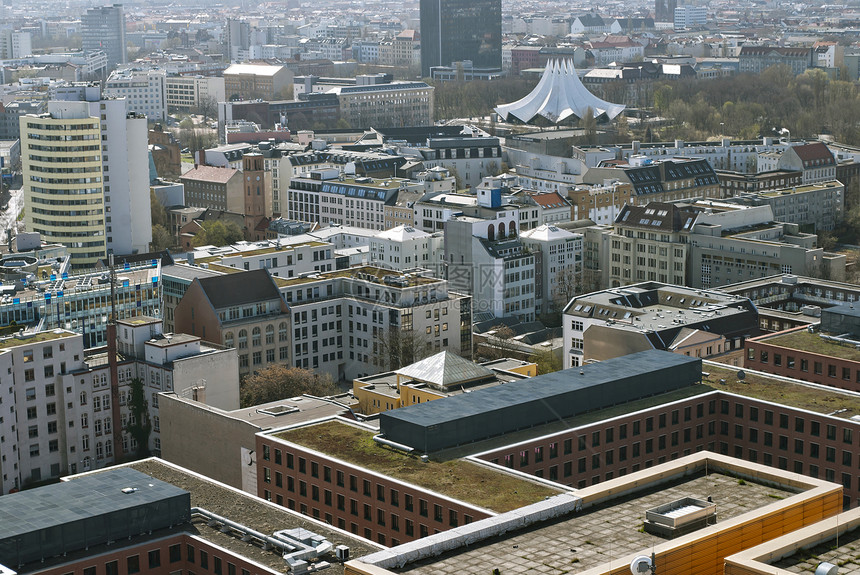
{"x": 558, "y": 96}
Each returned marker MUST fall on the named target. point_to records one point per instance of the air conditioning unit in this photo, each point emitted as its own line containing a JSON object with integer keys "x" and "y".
{"x": 342, "y": 552}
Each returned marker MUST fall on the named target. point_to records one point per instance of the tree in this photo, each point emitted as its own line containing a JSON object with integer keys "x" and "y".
{"x": 139, "y": 426}
{"x": 588, "y": 125}
{"x": 158, "y": 212}
{"x": 397, "y": 347}
{"x": 207, "y": 107}
{"x": 161, "y": 238}
{"x": 278, "y": 382}
{"x": 218, "y": 233}
{"x": 547, "y": 361}
{"x": 500, "y": 344}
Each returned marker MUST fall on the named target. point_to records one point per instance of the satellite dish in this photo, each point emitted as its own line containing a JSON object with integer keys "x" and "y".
{"x": 642, "y": 564}
{"x": 826, "y": 569}
{"x": 741, "y": 375}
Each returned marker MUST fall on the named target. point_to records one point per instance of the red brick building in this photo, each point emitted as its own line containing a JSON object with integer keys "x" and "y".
{"x": 806, "y": 355}
{"x": 372, "y": 505}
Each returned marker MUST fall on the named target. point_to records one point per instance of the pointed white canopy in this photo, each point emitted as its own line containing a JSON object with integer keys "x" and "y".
{"x": 558, "y": 96}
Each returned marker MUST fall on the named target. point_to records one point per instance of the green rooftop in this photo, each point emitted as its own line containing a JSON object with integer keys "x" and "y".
{"x": 456, "y": 478}
{"x": 780, "y": 391}
{"x": 15, "y": 341}
{"x": 812, "y": 342}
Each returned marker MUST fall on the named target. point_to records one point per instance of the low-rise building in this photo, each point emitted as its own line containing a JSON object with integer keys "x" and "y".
{"x": 618, "y": 321}
{"x": 214, "y": 188}
{"x": 785, "y": 301}
{"x": 441, "y": 375}
{"x": 660, "y": 181}
{"x": 255, "y": 81}
{"x": 396, "y": 104}
{"x": 826, "y": 354}
{"x": 815, "y": 208}
{"x": 194, "y": 93}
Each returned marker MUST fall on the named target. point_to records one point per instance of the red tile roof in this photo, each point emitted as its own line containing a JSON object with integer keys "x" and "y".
{"x": 209, "y": 174}
{"x": 809, "y": 153}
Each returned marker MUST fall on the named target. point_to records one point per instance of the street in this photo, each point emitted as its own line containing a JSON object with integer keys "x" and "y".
{"x": 9, "y": 216}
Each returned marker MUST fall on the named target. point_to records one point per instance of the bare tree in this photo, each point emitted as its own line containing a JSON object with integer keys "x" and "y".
{"x": 395, "y": 348}
{"x": 280, "y": 381}
{"x": 498, "y": 344}
{"x": 207, "y": 107}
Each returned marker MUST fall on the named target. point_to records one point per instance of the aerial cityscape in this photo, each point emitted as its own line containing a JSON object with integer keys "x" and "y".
{"x": 429, "y": 287}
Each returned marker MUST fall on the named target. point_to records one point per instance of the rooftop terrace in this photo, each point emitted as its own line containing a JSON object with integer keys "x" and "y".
{"x": 459, "y": 479}
{"x": 612, "y": 529}
{"x": 846, "y": 556}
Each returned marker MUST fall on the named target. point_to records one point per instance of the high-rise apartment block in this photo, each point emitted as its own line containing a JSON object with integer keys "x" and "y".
{"x": 101, "y": 204}
{"x": 103, "y": 29}
{"x": 457, "y": 30}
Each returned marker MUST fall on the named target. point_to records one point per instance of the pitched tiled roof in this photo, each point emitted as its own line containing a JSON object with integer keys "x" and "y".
{"x": 209, "y": 174}
{"x": 240, "y": 288}
{"x": 809, "y": 153}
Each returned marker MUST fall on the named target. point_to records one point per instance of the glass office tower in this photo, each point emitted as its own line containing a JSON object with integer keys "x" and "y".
{"x": 457, "y": 30}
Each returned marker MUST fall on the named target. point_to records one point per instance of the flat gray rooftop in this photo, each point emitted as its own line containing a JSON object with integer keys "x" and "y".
{"x": 846, "y": 556}
{"x": 543, "y": 387}
{"x": 250, "y": 511}
{"x": 85, "y": 497}
{"x": 589, "y": 539}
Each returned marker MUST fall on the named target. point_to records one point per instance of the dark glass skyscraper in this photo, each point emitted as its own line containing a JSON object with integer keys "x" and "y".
{"x": 457, "y": 30}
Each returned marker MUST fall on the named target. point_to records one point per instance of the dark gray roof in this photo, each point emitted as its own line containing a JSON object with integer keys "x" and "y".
{"x": 81, "y": 498}
{"x": 501, "y": 409}
{"x": 239, "y": 288}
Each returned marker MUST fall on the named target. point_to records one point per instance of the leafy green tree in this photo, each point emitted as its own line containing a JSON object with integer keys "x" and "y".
{"x": 157, "y": 211}
{"x": 282, "y": 382}
{"x": 547, "y": 361}
{"x": 161, "y": 238}
{"x": 218, "y": 233}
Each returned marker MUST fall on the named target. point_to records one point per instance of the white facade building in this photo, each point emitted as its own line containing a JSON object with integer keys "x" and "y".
{"x": 144, "y": 91}
{"x": 557, "y": 268}
{"x": 58, "y": 418}
{"x": 404, "y": 248}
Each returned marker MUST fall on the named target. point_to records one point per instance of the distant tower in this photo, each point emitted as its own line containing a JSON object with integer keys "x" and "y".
{"x": 457, "y": 30}
{"x": 664, "y": 10}
{"x": 104, "y": 29}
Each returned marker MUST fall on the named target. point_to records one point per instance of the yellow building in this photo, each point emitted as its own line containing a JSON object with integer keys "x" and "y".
{"x": 63, "y": 182}
{"x": 435, "y": 377}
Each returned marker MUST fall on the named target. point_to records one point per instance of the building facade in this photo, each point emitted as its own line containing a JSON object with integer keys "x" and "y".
{"x": 457, "y": 30}
{"x": 103, "y": 29}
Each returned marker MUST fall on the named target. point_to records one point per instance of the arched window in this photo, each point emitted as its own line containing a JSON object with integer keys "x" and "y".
{"x": 228, "y": 339}
{"x": 109, "y": 448}
{"x": 491, "y": 233}
{"x": 255, "y": 337}
{"x": 512, "y": 228}
{"x": 85, "y": 421}
{"x": 501, "y": 231}
{"x": 83, "y": 398}
{"x": 100, "y": 450}
{"x": 243, "y": 339}
{"x": 283, "y": 332}
{"x": 270, "y": 334}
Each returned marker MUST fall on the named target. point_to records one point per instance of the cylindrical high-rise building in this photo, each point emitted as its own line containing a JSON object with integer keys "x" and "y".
{"x": 63, "y": 182}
